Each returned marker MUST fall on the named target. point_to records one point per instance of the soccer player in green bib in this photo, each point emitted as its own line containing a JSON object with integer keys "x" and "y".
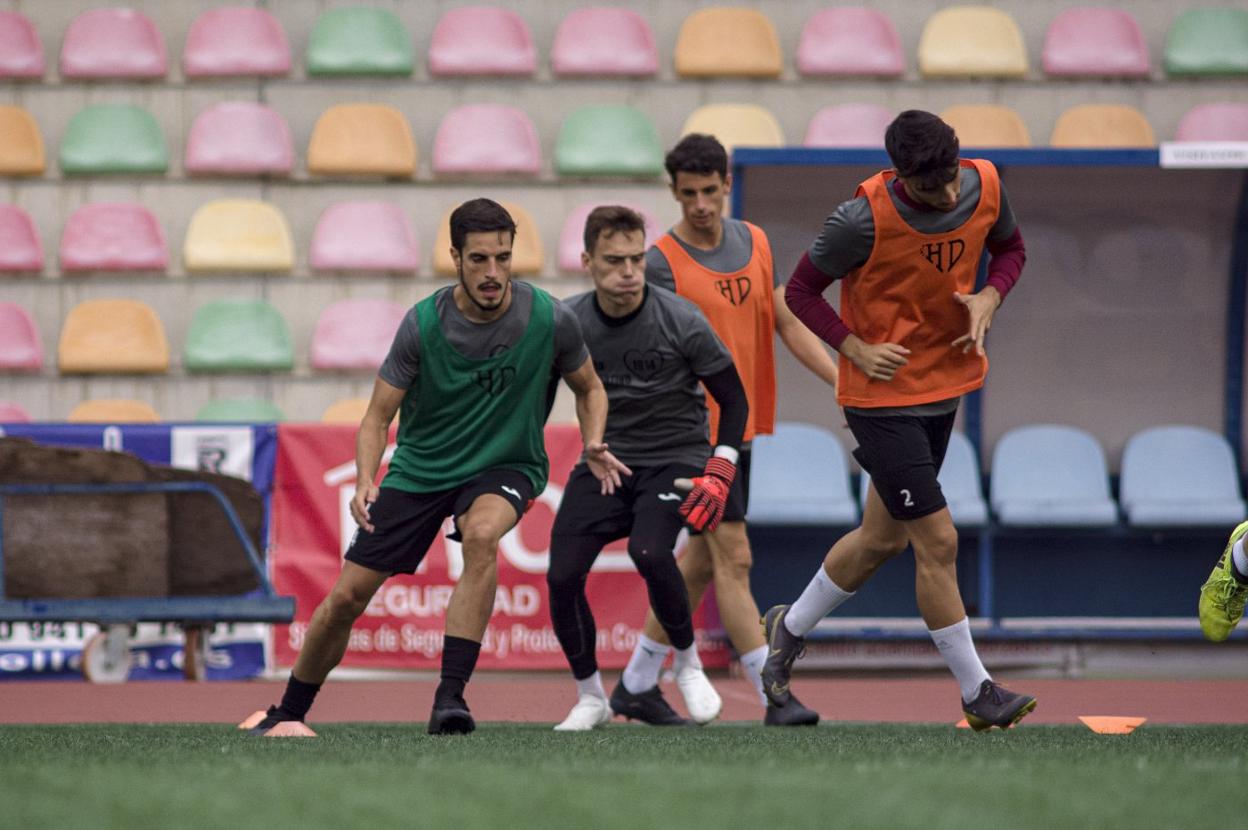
{"x": 473, "y": 370}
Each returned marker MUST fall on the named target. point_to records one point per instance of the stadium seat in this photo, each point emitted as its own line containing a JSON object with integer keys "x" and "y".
{"x": 21, "y": 349}
{"x": 486, "y": 138}
{"x": 20, "y": 248}
{"x": 112, "y": 336}
{"x": 238, "y": 235}
{"x": 113, "y": 411}
{"x": 849, "y": 125}
{"x": 736, "y": 125}
{"x": 960, "y": 481}
{"x": 113, "y": 236}
{"x": 235, "y": 40}
{"x": 12, "y": 412}
{"x": 728, "y": 42}
{"x": 850, "y": 41}
{"x": 362, "y": 139}
{"x": 355, "y": 334}
{"x": 527, "y": 256}
{"x": 972, "y": 41}
{"x": 113, "y": 138}
{"x": 1095, "y": 41}
{"x": 1180, "y": 475}
{"x": 21, "y": 50}
{"x": 481, "y": 40}
{"x": 987, "y": 125}
{"x": 364, "y": 236}
{"x": 21, "y": 145}
{"x": 604, "y": 41}
{"x": 245, "y": 410}
{"x": 1102, "y": 125}
{"x": 800, "y": 476}
{"x": 1053, "y": 476}
{"x": 572, "y": 237}
{"x": 1214, "y": 122}
{"x": 240, "y": 138}
{"x": 1208, "y": 41}
{"x": 344, "y": 411}
{"x": 237, "y": 335}
{"x": 113, "y": 43}
{"x": 359, "y": 41}
{"x": 608, "y": 140}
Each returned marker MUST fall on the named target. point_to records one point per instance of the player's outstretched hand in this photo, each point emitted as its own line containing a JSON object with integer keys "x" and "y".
{"x": 878, "y": 361}
{"x": 365, "y": 494}
{"x": 980, "y": 308}
{"x": 605, "y": 467}
{"x": 703, "y": 508}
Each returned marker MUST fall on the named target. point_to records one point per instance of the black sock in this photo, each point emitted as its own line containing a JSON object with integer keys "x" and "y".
{"x": 298, "y": 697}
{"x": 459, "y": 658}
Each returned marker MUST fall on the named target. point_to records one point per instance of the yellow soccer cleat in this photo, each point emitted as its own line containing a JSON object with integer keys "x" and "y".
{"x": 1222, "y": 596}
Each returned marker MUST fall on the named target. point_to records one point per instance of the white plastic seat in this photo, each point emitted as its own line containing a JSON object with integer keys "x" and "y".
{"x": 800, "y": 476}
{"x": 1180, "y": 475}
{"x": 1052, "y": 476}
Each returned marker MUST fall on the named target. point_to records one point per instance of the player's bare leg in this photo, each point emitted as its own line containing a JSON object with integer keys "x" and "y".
{"x": 329, "y": 630}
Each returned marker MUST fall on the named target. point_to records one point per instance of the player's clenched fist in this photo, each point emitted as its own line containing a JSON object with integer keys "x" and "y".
{"x": 708, "y": 494}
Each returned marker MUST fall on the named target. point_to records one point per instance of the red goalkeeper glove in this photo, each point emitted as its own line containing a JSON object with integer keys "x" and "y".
{"x": 704, "y": 506}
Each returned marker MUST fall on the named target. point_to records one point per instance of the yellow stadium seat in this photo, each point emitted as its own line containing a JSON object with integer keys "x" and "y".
{"x": 526, "y": 254}
{"x": 1102, "y": 125}
{"x": 987, "y": 125}
{"x": 238, "y": 235}
{"x": 113, "y": 411}
{"x": 362, "y": 140}
{"x": 963, "y": 41}
{"x": 21, "y": 145}
{"x": 721, "y": 41}
{"x": 736, "y": 125}
{"x": 345, "y": 411}
{"x": 119, "y": 336}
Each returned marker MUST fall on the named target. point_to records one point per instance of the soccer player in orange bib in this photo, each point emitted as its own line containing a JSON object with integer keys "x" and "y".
{"x": 907, "y": 249}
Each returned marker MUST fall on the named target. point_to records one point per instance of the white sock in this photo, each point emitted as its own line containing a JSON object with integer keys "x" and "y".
{"x": 642, "y": 672}
{"x": 816, "y": 602}
{"x": 1239, "y": 558}
{"x": 591, "y": 685}
{"x": 684, "y": 658}
{"x": 752, "y": 665}
{"x": 955, "y": 646}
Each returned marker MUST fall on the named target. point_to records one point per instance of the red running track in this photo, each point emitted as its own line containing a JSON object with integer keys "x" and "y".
{"x": 547, "y": 698}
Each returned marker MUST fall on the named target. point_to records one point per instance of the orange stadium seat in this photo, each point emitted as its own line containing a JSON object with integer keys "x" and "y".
{"x": 736, "y": 125}
{"x": 112, "y": 336}
{"x": 1094, "y": 41}
{"x": 987, "y": 125}
{"x": 113, "y": 411}
{"x": 849, "y": 125}
{"x": 486, "y": 138}
{"x": 113, "y": 43}
{"x": 21, "y": 349}
{"x": 21, "y": 50}
{"x": 604, "y": 41}
{"x": 1102, "y": 125}
{"x": 345, "y": 411}
{"x": 1214, "y": 122}
{"x": 972, "y": 41}
{"x": 355, "y": 334}
{"x": 21, "y": 145}
{"x": 850, "y": 41}
{"x": 240, "y": 138}
{"x": 481, "y": 40}
{"x": 527, "y": 256}
{"x": 364, "y": 236}
{"x": 728, "y": 42}
{"x": 362, "y": 139}
{"x": 235, "y": 40}
{"x": 20, "y": 248}
{"x": 113, "y": 236}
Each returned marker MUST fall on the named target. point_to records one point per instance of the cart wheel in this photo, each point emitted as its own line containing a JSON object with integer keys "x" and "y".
{"x": 106, "y": 656}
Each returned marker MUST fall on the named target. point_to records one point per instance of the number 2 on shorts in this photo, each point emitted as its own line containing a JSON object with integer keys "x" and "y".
{"x": 909, "y": 502}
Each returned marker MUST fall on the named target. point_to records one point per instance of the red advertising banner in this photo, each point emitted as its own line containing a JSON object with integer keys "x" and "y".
{"x": 403, "y": 625}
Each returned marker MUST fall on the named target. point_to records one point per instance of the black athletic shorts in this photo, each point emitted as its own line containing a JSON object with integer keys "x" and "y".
{"x": 585, "y": 511}
{"x": 407, "y": 523}
{"x": 903, "y": 454}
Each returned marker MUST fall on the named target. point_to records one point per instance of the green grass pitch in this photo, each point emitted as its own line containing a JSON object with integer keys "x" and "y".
{"x": 735, "y": 777}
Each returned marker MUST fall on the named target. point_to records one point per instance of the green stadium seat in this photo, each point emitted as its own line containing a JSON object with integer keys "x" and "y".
{"x": 113, "y": 138}
{"x": 238, "y": 336}
{"x": 1208, "y": 42}
{"x": 608, "y": 140}
{"x": 248, "y": 410}
{"x": 359, "y": 41}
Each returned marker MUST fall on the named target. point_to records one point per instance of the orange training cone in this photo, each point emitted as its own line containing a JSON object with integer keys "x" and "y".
{"x": 1105, "y": 725}
{"x": 290, "y": 729}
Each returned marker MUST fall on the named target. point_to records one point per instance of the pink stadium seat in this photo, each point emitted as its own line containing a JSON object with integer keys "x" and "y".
{"x": 20, "y": 249}
{"x": 572, "y": 237}
{"x": 113, "y": 43}
{"x": 1214, "y": 122}
{"x": 113, "y": 236}
{"x": 364, "y": 236}
{"x": 21, "y": 51}
{"x": 20, "y": 347}
{"x": 240, "y": 137}
{"x": 604, "y": 41}
{"x": 235, "y": 40}
{"x": 1096, "y": 41}
{"x": 355, "y": 334}
{"x": 13, "y": 413}
{"x": 850, "y": 41}
{"x": 849, "y": 125}
{"x": 486, "y": 138}
{"x": 482, "y": 40}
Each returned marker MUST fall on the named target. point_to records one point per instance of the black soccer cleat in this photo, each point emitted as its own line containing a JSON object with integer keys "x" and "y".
{"x": 996, "y": 705}
{"x": 648, "y": 707}
{"x": 783, "y": 648}
{"x": 792, "y": 713}
{"x": 451, "y": 717}
{"x": 272, "y": 718}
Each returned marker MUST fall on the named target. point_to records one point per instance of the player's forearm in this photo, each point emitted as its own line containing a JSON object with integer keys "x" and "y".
{"x": 734, "y": 406}
{"x": 809, "y": 351}
{"x": 591, "y": 414}
{"x": 804, "y": 297}
{"x": 370, "y": 445}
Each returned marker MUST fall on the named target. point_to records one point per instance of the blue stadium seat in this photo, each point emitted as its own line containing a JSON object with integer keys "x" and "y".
{"x": 800, "y": 476}
{"x": 1052, "y": 476}
{"x": 1180, "y": 475}
{"x": 960, "y": 482}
